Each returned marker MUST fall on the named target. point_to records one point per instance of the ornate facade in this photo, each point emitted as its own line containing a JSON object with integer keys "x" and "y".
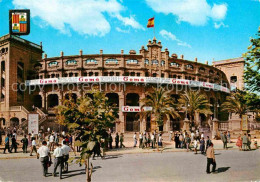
{"x": 125, "y": 78}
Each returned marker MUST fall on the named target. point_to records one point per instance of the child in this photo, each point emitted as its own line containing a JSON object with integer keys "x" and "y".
{"x": 255, "y": 143}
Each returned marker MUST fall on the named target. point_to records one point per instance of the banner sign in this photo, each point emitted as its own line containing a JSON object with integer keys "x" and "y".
{"x": 33, "y": 123}
{"x": 244, "y": 123}
{"x": 19, "y": 22}
{"x": 135, "y": 109}
{"x": 126, "y": 79}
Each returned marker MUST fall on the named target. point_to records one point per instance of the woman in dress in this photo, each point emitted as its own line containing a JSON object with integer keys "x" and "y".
{"x": 239, "y": 142}
{"x": 202, "y": 145}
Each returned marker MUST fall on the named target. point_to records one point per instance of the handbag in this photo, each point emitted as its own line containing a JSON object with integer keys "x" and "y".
{"x": 49, "y": 163}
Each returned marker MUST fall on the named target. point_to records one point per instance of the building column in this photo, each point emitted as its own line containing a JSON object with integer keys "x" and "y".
{"x": 120, "y": 125}
{"x": 143, "y": 122}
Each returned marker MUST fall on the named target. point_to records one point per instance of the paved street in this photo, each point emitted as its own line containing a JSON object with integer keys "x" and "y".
{"x": 232, "y": 165}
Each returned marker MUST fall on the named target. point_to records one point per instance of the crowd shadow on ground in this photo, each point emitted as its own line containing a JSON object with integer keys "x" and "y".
{"x": 222, "y": 169}
{"x": 78, "y": 172}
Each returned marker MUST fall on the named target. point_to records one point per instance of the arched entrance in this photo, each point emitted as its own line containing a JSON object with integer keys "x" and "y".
{"x": 132, "y": 119}
{"x": 2, "y": 122}
{"x": 132, "y": 122}
{"x": 14, "y": 121}
{"x": 113, "y": 99}
{"x": 53, "y": 100}
{"x": 37, "y": 101}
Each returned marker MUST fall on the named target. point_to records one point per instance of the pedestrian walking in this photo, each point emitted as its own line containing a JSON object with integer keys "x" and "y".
{"x": 77, "y": 139}
{"x": 135, "y": 139}
{"x": 110, "y": 141}
{"x": 0, "y": 137}
{"x": 144, "y": 140}
{"x": 148, "y": 140}
{"x": 44, "y": 154}
{"x": 181, "y": 140}
{"x": 7, "y": 144}
{"x": 58, "y": 159}
{"x": 187, "y": 141}
{"x": 192, "y": 135}
{"x": 121, "y": 140}
{"x": 141, "y": 140}
{"x": 160, "y": 140}
{"x": 14, "y": 144}
{"x": 249, "y": 142}
{"x": 66, "y": 149}
{"x": 255, "y": 143}
{"x": 229, "y": 137}
{"x": 176, "y": 140}
{"x": 117, "y": 140}
{"x": 225, "y": 140}
{"x": 208, "y": 142}
{"x": 152, "y": 140}
{"x": 202, "y": 145}
{"x": 33, "y": 147}
{"x": 239, "y": 142}
{"x": 211, "y": 160}
{"x": 51, "y": 142}
{"x": 24, "y": 141}
{"x": 244, "y": 142}
{"x": 195, "y": 144}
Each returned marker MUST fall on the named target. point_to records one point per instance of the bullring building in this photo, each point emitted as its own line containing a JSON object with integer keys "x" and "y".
{"x": 30, "y": 79}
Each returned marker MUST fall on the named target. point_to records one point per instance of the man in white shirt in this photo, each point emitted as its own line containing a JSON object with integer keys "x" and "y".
{"x": 51, "y": 140}
{"x": 135, "y": 139}
{"x": 66, "y": 150}
{"x": 44, "y": 154}
{"x": 58, "y": 161}
{"x": 33, "y": 147}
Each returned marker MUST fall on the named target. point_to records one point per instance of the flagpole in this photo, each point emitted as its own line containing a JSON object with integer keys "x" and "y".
{"x": 154, "y": 26}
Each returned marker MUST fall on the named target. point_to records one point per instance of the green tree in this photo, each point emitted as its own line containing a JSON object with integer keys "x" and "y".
{"x": 161, "y": 103}
{"x": 194, "y": 102}
{"x": 235, "y": 103}
{"x": 90, "y": 119}
{"x": 252, "y": 64}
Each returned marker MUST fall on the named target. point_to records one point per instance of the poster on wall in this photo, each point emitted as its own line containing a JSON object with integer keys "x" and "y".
{"x": 244, "y": 124}
{"x": 33, "y": 123}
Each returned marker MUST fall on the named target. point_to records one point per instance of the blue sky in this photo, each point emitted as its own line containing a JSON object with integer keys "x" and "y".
{"x": 205, "y": 29}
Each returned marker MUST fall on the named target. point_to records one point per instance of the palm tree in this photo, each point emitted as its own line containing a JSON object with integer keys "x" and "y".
{"x": 235, "y": 103}
{"x": 161, "y": 105}
{"x": 194, "y": 102}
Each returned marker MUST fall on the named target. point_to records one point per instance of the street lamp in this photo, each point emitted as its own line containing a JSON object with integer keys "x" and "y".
{"x": 215, "y": 112}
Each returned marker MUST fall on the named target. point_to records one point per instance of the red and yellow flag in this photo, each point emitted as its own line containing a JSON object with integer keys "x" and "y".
{"x": 150, "y": 23}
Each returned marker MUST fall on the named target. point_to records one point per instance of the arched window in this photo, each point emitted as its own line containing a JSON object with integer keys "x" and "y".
{"x": 154, "y": 62}
{"x": 91, "y": 73}
{"x": 111, "y": 73}
{"x": 132, "y": 61}
{"x": 174, "y": 64}
{"x": 53, "y": 64}
{"x": 233, "y": 79}
{"x": 189, "y": 67}
{"x": 146, "y": 62}
{"x": 211, "y": 72}
{"x": 111, "y": 61}
{"x": 71, "y": 62}
{"x": 70, "y": 74}
{"x": 154, "y": 74}
{"x": 202, "y": 70}
{"x": 91, "y": 61}
{"x": 132, "y": 73}
{"x": 162, "y": 62}
{"x": 2, "y": 66}
{"x": 126, "y": 73}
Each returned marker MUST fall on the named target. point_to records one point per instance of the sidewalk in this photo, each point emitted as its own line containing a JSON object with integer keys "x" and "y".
{"x": 167, "y": 147}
